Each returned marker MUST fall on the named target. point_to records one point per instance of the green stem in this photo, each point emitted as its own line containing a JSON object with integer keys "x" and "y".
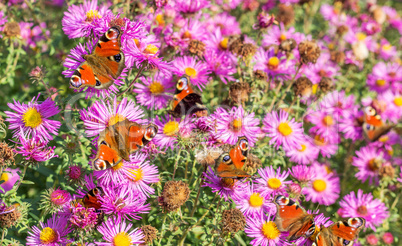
{"x": 198, "y": 196}
{"x": 290, "y": 84}
{"x": 2, "y": 236}
{"x": 162, "y": 228}
{"x": 132, "y": 83}
{"x": 22, "y": 177}
{"x": 176, "y": 164}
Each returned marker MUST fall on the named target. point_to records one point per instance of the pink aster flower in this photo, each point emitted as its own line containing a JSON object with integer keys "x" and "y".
{"x": 33, "y": 118}
{"x": 283, "y": 131}
{"x": 168, "y": 129}
{"x": 152, "y": 91}
{"x": 228, "y": 4}
{"x": 78, "y": 21}
{"x": 252, "y": 203}
{"x": 388, "y": 238}
{"x": 324, "y": 67}
{"x": 386, "y": 50}
{"x": 59, "y": 197}
{"x": 103, "y": 114}
{"x": 271, "y": 183}
{"x": 3, "y": 20}
{"x": 52, "y": 233}
{"x": 235, "y": 123}
{"x": 324, "y": 187}
{"x": 364, "y": 205}
{"x": 274, "y": 65}
{"x": 304, "y": 154}
{"x": 191, "y": 30}
{"x": 303, "y": 173}
{"x": 83, "y": 218}
{"x": 8, "y": 178}
{"x": 114, "y": 229}
{"x": 393, "y": 100}
{"x": 264, "y": 232}
{"x": 327, "y": 147}
{"x": 34, "y": 150}
{"x": 350, "y": 125}
{"x": 75, "y": 59}
{"x": 384, "y": 76}
{"x": 197, "y": 70}
{"x": 325, "y": 123}
{"x": 227, "y": 24}
{"x": 191, "y": 6}
{"x": 277, "y": 34}
{"x": 32, "y": 35}
{"x": 368, "y": 159}
{"x": 226, "y": 188}
{"x": 339, "y": 103}
{"x": 121, "y": 201}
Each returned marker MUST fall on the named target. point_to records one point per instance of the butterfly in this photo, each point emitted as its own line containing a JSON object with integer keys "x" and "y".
{"x": 103, "y": 65}
{"x": 341, "y": 233}
{"x": 231, "y": 164}
{"x": 119, "y": 141}
{"x": 186, "y": 101}
{"x": 373, "y": 125}
{"x": 91, "y": 199}
{"x": 293, "y": 218}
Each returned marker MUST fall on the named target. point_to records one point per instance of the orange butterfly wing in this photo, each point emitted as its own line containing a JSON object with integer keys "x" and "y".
{"x": 231, "y": 165}
{"x": 373, "y": 126}
{"x": 342, "y": 233}
{"x": 91, "y": 200}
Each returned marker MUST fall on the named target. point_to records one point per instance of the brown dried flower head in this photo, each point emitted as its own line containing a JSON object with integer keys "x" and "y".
{"x": 286, "y": 14}
{"x": 261, "y": 75}
{"x": 232, "y": 221}
{"x": 338, "y": 57}
{"x": 343, "y": 29}
{"x": 237, "y": 46}
{"x": 239, "y": 92}
{"x": 174, "y": 195}
{"x": 150, "y": 233}
{"x": 196, "y": 47}
{"x": 12, "y": 29}
{"x": 9, "y": 217}
{"x": 287, "y": 45}
{"x": 6, "y": 155}
{"x": 387, "y": 170}
{"x": 303, "y": 87}
{"x": 326, "y": 84}
{"x": 309, "y": 52}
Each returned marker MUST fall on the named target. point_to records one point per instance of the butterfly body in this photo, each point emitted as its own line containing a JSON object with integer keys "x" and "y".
{"x": 119, "y": 141}
{"x": 186, "y": 101}
{"x": 231, "y": 164}
{"x": 103, "y": 65}
{"x": 373, "y": 125}
{"x": 293, "y": 218}
{"x": 341, "y": 233}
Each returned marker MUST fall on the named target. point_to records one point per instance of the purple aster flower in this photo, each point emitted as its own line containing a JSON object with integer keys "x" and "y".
{"x": 384, "y": 75}
{"x": 253, "y": 203}
{"x": 228, "y": 4}
{"x": 114, "y": 230}
{"x": 386, "y": 50}
{"x": 78, "y": 21}
{"x": 221, "y": 64}
{"x": 121, "y": 201}
{"x": 393, "y": 100}
{"x": 75, "y": 59}
{"x": 324, "y": 67}
{"x": 274, "y": 65}
{"x": 324, "y": 187}
{"x": 283, "y": 131}
{"x": 52, "y": 233}
{"x": 364, "y": 205}
{"x": 277, "y": 34}
{"x": 32, "y": 35}
{"x": 264, "y": 232}
{"x": 227, "y": 24}
{"x": 152, "y": 91}
{"x": 264, "y": 20}
{"x": 3, "y": 20}
{"x": 327, "y": 147}
{"x": 235, "y": 123}
{"x": 400, "y": 174}
{"x": 169, "y": 129}
{"x": 191, "y": 6}
{"x": 325, "y": 123}
{"x": 103, "y": 114}
{"x": 271, "y": 183}
{"x": 350, "y": 125}
{"x": 304, "y": 154}
{"x": 8, "y": 178}
{"x": 369, "y": 160}
{"x": 34, "y": 150}
{"x": 191, "y": 30}
{"x": 339, "y": 103}
{"x": 226, "y": 187}
{"x": 196, "y": 70}
{"x": 83, "y": 218}
{"x": 33, "y": 118}
{"x": 303, "y": 173}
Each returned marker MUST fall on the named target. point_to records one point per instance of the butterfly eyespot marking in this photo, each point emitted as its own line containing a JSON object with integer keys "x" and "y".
{"x": 98, "y": 83}
{"x": 104, "y": 143}
{"x": 150, "y": 133}
{"x": 378, "y": 117}
{"x": 346, "y": 242}
{"x": 226, "y": 158}
{"x": 182, "y": 83}
{"x": 311, "y": 231}
{"x": 117, "y": 58}
{"x": 112, "y": 33}
{"x": 355, "y": 222}
{"x": 243, "y": 144}
{"x": 75, "y": 81}
{"x": 370, "y": 111}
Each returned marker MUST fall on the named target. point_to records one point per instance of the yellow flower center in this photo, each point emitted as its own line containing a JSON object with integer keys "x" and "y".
{"x": 315, "y": 88}
{"x": 151, "y": 49}
{"x": 303, "y": 148}
{"x": 93, "y": 14}
{"x": 137, "y": 43}
{"x": 190, "y": 72}
{"x": 380, "y": 82}
{"x": 118, "y": 166}
{"x": 48, "y": 235}
{"x": 328, "y": 120}
{"x": 384, "y": 139}
{"x": 398, "y": 101}
{"x": 237, "y": 124}
{"x": 224, "y": 44}
{"x": 374, "y": 164}
{"x": 5, "y": 177}
{"x": 331, "y": 46}
{"x": 32, "y": 118}
{"x": 319, "y": 141}
{"x": 186, "y": 34}
{"x": 256, "y": 200}
{"x": 171, "y": 128}
{"x": 122, "y": 239}
{"x": 274, "y": 183}
{"x": 136, "y": 174}
{"x": 361, "y": 36}
{"x": 156, "y": 88}
{"x": 390, "y": 151}
{"x": 160, "y": 20}
{"x": 386, "y": 47}
{"x": 273, "y": 62}
{"x": 270, "y": 230}
{"x": 319, "y": 185}
{"x": 282, "y": 37}
{"x": 116, "y": 119}
{"x": 285, "y": 129}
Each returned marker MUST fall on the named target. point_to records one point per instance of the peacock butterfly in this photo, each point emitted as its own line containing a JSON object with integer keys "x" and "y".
{"x": 341, "y": 233}
{"x": 103, "y": 65}
{"x": 293, "y": 218}
{"x": 91, "y": 199}
{"x": 231, "y": 164}
{"x": 120, "y": 140}
{"x": 186, "y": 101}
{"x": 373, "y": 125}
